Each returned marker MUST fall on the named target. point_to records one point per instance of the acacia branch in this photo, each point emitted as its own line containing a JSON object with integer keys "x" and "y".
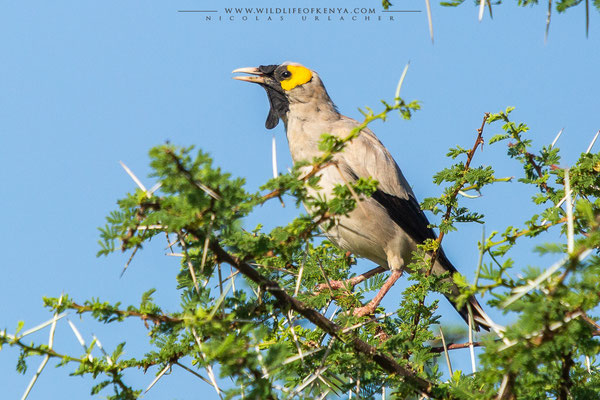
{"x": 453, "y": 196}
{"x": 384, "y": 361}
{"x": 458, "y": 188}
{"x": 565, "y": 378}
{"x": 538, "y": 170}
{"x": 156, "y": 318}
{"x": 525, "y": 232}
{"x": 456, "y": 346}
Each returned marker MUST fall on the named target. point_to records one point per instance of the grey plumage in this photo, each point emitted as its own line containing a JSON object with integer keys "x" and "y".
{"x": 387, "y": 226}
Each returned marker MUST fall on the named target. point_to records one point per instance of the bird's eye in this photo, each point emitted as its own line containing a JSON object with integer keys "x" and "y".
{"x": 286, "y": 74}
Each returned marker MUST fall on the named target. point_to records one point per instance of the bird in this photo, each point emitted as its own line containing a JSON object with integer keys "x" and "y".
{"x": 388, "y": 225}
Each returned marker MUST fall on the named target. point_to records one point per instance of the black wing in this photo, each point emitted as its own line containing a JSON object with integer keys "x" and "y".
{"x": 408, "y": 215}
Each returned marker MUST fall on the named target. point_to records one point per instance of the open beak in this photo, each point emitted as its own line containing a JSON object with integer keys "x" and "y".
{"x": 278, "y": 102}
{"x": 260, "y": 78}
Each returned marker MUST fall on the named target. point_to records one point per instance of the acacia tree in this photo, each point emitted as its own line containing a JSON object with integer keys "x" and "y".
{"x": 275, "y": 335}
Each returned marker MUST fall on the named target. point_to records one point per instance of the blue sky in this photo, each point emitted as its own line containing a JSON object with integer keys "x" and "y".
{"x": 86, "y": 84}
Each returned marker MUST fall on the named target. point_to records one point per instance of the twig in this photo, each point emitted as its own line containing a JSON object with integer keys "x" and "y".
{"x": 549, "y": 15}
{"x": 587, "y": 18}
{"x": 136, "y": 248}
{"x": 325, "y": 277}
{"x": 190, "y": 178}
{"x": 565, "y": 382}
{"x": 356, "y": 326}
{"x": 590, "y": 321}
{"x": 457, "y": 346}
{"x": 156, "y": 318}
{"x": 478, "y": 142}
{"x": 544, "y": 226}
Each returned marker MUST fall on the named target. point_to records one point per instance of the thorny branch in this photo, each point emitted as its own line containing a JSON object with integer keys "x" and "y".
{"x": 386, "y": 362}
{"x": 538, "y": 169}
{"x": 478, "y": 141}
{"x": 458, "y": 187}
{"x": 156, "y": 318}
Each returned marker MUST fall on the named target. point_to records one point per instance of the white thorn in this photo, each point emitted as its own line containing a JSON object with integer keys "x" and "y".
{"x": 79, "y": 338}
{"x": 108, "y": 359}
{"x": 46, "y": 358}
{"x": 154, "y": 188}
{"x": 471, "y": 348}
{"x": 523, "y": 290}
{"x": 274, "y": 157}
{"x": 588, "y": 364}
{"x": 481, "y": 8}
{"x": 41, "y": 326}
{"x": 556, "y": 138}
{"x": 593, "y": 141}
{"x": 429, "y": 19}
{"x": 135, "y": 178}
{"x": 400, "y": 82}
{"x": 165, "y": 369}
{"x": 570, "y": 230}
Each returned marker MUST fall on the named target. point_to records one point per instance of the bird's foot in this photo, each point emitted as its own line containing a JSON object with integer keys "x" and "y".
{"x": 365, "y": 310}
{"x": 373, "y": 304}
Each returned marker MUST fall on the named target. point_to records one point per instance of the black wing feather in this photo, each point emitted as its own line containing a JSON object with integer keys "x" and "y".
{"x": 408, "y": 215}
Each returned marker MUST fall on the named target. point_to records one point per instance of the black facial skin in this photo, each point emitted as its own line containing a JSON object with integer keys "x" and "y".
{"x": 279, "y": 105}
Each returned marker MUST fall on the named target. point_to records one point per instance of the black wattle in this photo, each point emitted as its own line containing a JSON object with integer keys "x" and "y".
{"x": 279, "y": 107}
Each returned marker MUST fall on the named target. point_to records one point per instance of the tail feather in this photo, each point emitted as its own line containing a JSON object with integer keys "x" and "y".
{"x": 480, "y": 318}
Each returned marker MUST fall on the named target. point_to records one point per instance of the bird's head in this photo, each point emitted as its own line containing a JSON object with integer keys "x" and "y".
{"x": 286, "y": 84}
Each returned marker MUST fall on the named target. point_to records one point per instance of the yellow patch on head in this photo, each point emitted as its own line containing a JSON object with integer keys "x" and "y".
{"x": 300, "y": 75}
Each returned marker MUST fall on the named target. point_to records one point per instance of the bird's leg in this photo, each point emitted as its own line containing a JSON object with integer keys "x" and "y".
{"x": 350, "y": 282}
{"x": 373, "y": 304}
